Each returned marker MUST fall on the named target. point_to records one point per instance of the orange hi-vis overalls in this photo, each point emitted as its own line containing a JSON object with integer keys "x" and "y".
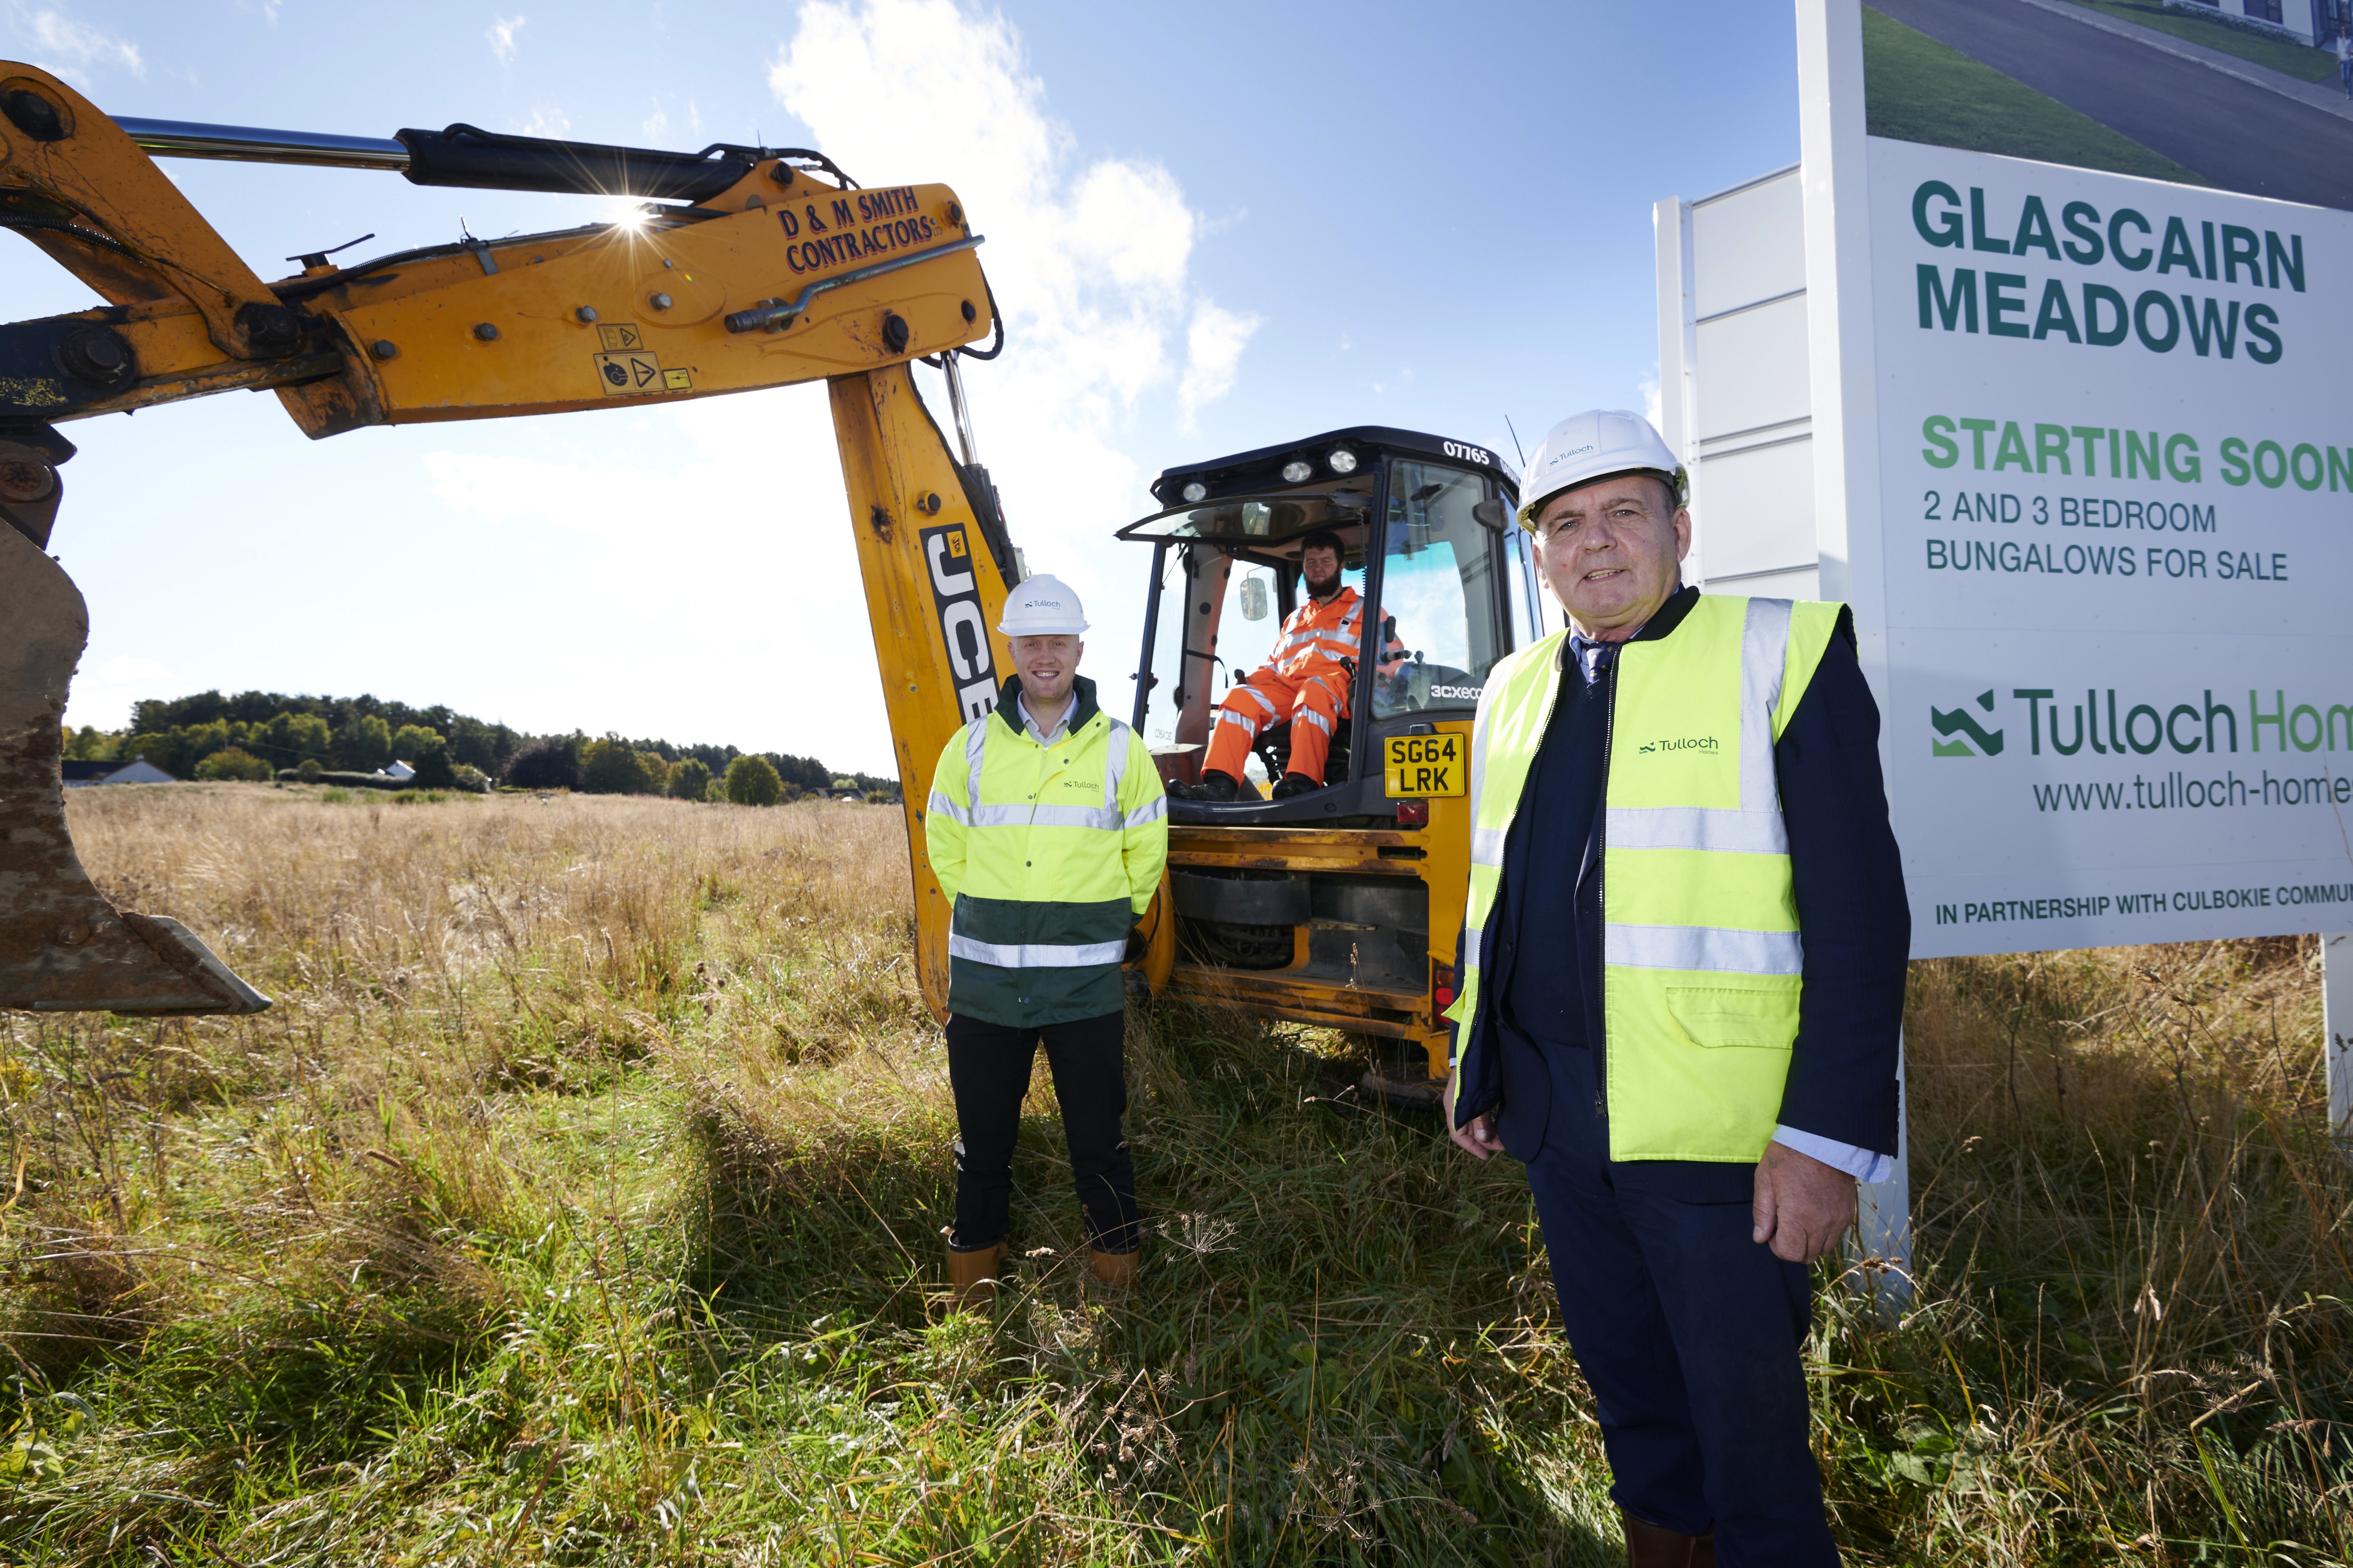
{"x": 1302, "y": 682}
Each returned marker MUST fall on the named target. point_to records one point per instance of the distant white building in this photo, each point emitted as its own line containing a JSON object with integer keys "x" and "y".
{"x": 139, "y": 770}
{"x": 2306, "y": 21}
{"x": 397, "y": 770}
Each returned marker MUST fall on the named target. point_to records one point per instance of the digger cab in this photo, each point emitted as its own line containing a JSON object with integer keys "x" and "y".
{"x": 1339, "y": 906}
{"x": 1430, "y": 544}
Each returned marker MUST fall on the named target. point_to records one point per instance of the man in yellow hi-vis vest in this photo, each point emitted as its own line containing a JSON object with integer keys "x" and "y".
{"x": 1682, "y": 989}
{"x": 1047, "y": 829}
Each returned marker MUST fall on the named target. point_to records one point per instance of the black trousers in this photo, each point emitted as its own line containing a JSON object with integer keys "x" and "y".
{"x": 1690, "y": 1334}
{"x": 989, "y": 1067}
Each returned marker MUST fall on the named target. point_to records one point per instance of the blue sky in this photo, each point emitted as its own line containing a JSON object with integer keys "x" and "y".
{"x": 1211, "y": 227}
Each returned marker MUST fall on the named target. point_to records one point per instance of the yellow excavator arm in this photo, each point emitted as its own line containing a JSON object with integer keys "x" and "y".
{"x": 768, "y": 267}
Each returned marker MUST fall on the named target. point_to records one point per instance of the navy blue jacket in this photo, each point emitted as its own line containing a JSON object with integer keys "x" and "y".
{"x": 1541, "y": 958}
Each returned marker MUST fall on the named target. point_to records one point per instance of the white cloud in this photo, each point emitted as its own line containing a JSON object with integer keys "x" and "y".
{"x": 657, "y": 125}
{"x": 63, "y": 41}
{"x": 1213, "y": 348}
{"x": 1091, "y": 260}
{"x": 1653, "y": 409}
{"x": 547, "y": 120}
{"x": 501, "y": 35}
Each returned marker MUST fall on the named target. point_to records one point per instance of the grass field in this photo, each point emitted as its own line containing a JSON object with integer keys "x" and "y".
{"x": 1917, "y": 90}
{"x": 579, "y": 1204}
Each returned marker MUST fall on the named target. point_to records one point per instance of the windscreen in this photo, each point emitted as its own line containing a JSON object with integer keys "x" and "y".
{"x": 1219, "y": 619}
{"x": 1437, "y": 588}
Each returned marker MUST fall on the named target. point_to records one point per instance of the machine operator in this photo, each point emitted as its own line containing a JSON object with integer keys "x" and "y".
{"x": 1304, "y": 683}
{"x": 1047, "y": 830}
{"x": 1696, "y": 1078}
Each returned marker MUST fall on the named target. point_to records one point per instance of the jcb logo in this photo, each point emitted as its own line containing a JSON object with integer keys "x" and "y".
{"x": 955, "y": 598}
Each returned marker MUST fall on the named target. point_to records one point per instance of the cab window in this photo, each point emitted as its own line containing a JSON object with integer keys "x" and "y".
{"x": 1219, "y": 619}
{"x": 1521, "y": 590}
{"x": 1441, "y": 614}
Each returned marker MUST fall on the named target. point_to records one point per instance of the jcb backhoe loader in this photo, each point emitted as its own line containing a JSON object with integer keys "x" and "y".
{"x": 1340, "y": 906}
{"x": 760, "y": 268}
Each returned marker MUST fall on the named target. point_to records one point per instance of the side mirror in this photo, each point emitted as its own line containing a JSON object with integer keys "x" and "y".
{"x": 1492, "y": 513}
{"x": 1254, "y": 604}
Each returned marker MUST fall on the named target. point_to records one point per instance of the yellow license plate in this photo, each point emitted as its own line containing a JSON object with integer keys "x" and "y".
{"x": 1417, "y": 765}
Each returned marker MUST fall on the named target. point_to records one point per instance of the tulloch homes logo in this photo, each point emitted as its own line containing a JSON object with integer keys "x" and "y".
{"x": 1704, "y": 743}
{"x": 1964, "y": 736}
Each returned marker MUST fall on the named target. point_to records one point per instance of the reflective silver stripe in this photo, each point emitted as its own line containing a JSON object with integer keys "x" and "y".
{"x": 1486, "y": 843}
{"x": 1310, "y": 716}
{"x": 1114, "y": 766}
{"x": 1236, "y": 716}
{"x": 1764, "y": 655}
{"x": 1263, "y": 699}
{"x": 1714, "y": 948}
{"x": 975, "y": 745}
{"x": 1027, "y": 816}
{"x": 1697, "y": 828}
{"x": 1152, "y": 810}
{"x": 941, "y": 805}
{"x": 1040, "y": 956}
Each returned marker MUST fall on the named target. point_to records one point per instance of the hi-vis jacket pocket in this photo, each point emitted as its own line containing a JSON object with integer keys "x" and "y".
{"x": 1720, "y": 1016}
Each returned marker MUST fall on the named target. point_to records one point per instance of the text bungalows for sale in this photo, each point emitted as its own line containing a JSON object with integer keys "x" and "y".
{"x": 2117, "y": 461}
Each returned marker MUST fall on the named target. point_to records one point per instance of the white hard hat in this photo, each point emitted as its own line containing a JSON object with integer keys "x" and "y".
{"x": 1042, "y": 606}
{"x": 1592, "y": 446}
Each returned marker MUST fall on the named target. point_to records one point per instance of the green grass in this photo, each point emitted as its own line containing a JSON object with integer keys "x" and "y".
{"x": 2298, "y": 60}
{"x": 579, "y": 1204}
{"x": 1917, "y": 90}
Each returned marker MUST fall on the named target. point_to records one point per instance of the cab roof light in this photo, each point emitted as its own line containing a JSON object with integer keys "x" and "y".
{"x": 1296, "y": 471}
{"x": 1196, "y": 491}
{"x": 1343, "y": 460}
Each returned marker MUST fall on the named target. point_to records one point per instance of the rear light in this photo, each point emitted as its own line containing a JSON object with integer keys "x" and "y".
{"x": 1441, "y": 986}
{"x": 1413, "y": 814}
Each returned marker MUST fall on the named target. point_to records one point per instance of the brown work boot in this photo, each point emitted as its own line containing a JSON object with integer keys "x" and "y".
{"x": 971, "y": 1275}
{"x": 1651, "y": 1545}
{"x": 1116, "y": 1269}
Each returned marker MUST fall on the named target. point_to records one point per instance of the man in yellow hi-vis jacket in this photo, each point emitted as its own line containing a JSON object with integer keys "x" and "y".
{"x": 1047, "y": 829}
{"x": 1682, "y": 985}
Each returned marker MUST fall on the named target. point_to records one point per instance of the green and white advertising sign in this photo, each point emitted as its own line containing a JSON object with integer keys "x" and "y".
{"x": 2115, "y": 498}
{"x": 2088, "y": 476}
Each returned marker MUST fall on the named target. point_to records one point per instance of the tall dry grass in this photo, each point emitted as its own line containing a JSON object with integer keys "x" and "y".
{"x": 578, "y": 1202}
{"x": 2136, "y": 1270}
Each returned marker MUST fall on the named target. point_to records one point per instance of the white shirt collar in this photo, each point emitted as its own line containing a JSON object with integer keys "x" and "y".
{"x": 1029, "y": 721}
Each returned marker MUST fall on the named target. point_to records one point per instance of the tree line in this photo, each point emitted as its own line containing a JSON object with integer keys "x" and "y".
{"x": 260, "y": 734}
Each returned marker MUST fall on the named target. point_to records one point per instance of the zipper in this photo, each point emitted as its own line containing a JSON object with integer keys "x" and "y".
{"x": 1609, "y": 739}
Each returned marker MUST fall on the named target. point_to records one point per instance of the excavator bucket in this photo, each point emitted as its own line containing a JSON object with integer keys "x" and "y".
{"x": 63, "y": 947}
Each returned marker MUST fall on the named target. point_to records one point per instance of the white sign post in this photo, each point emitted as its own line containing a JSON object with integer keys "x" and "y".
{"x": 2337, "y": 1027}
